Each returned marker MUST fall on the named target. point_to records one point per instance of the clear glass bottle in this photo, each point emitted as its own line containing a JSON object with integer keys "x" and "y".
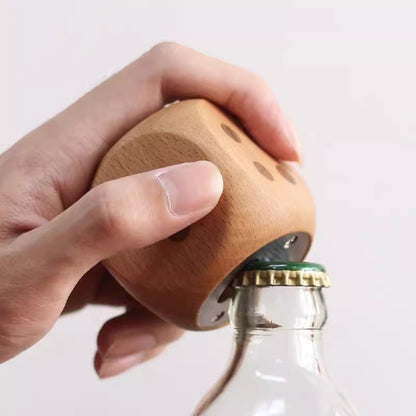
{"x": 277, "y": 312}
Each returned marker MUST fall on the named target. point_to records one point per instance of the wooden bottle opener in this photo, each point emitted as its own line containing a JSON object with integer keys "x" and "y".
{"x": 265, "y": 212}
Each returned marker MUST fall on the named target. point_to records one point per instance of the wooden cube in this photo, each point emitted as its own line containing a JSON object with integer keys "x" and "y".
{"x": 266, "y": 211}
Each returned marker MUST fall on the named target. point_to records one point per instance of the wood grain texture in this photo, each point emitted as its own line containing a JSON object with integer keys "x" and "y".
{"x": 262, "y": 201}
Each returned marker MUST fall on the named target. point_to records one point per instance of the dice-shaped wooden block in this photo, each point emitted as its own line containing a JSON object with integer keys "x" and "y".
{"x": 266, "y": 211}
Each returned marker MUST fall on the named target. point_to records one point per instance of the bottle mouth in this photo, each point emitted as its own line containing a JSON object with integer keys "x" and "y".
{"x": 277, "y": 307}
{"x": 279, "y": 295}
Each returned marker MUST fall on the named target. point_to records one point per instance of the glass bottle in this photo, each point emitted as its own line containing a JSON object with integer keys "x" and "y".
{"x": 278, "y": 311}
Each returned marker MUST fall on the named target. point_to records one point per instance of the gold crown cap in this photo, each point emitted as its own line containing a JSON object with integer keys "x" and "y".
{"x": 284, "y": 274}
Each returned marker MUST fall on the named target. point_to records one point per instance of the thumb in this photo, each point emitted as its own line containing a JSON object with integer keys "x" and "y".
{"x": 131, "y": 212}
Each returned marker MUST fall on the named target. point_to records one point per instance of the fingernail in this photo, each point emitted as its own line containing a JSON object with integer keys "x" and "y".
{"x": 294, "y": 138}
{"x": 112, "y": 367}
{"x": 126, "y": 346}
{"x": 191, "y": 187}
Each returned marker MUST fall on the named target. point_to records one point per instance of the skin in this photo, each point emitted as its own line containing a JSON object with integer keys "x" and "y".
{"x": 54, "y": 231}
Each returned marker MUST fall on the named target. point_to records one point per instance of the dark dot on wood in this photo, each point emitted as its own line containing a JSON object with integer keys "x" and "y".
{"x": 263, "y": 171}
{"x": 180, "y": 235}
{"x": 284, "y": 171}
{"x": 230, "y": 132}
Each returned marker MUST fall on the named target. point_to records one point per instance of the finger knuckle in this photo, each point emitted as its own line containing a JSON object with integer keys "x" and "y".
{"x": 254, "y": 86}
{"x": 258, "y": 83}
{"x": 167, "y": 51}
{"x": 108, "y": 211}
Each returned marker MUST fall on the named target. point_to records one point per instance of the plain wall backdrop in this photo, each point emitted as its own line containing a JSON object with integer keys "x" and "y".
{"x": 344, "y": 72}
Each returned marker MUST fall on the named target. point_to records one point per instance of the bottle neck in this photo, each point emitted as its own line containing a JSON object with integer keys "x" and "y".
{"x": 277, "y": 307}
{"x": 280, "y": 325}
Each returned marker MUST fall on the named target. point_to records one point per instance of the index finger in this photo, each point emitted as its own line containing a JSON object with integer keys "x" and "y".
{"x": 189, "y": 74}
{"x": 90, "y": 126}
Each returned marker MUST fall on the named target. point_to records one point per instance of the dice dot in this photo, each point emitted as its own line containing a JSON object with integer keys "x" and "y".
{"x": 285, "y": 172}
{"x": 231, "y": 133}
{"x": 261, "y": 169}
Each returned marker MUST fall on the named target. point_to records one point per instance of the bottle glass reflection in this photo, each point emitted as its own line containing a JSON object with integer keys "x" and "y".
{"x": 277, "y": 367}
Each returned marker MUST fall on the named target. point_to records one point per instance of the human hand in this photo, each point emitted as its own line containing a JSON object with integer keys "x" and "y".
{"x": 54, "y": 232}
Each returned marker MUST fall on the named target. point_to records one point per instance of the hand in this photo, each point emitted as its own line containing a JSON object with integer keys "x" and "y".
{"x": 54, "y": 231}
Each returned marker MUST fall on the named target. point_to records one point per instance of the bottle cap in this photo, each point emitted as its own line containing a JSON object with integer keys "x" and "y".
{"x": 268, "y": 273}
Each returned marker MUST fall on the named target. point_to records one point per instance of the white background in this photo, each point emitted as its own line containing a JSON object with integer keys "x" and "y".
{"x": 344, "y": 72}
